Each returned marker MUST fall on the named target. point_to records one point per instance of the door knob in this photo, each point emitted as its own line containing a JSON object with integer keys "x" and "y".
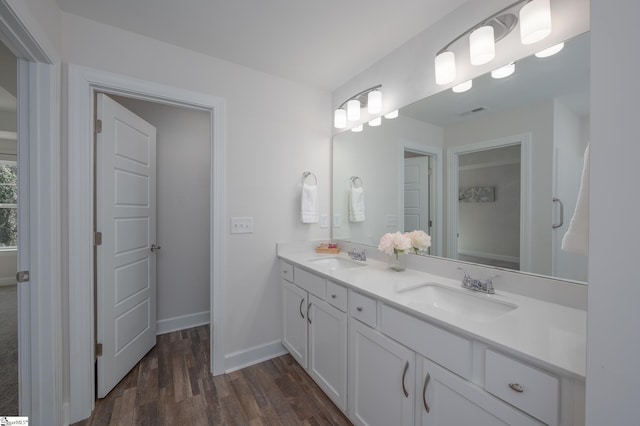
{"x": 155, "y": 247}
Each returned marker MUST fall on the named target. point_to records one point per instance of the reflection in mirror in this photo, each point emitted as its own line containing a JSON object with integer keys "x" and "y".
{"x": 508, "y": 148}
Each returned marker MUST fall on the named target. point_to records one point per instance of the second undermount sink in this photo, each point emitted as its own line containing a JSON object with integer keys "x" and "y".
{"x": 433, "y": 297}
{"x": 336, "y": 263}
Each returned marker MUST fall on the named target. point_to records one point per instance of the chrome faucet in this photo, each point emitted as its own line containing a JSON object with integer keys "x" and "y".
{"x": 476, "y": 284}
{"x": 355, "y": 255}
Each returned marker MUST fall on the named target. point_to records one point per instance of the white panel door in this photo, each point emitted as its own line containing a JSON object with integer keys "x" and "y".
{"x": 125, "y": 264}
{"x": 416, "y": 194}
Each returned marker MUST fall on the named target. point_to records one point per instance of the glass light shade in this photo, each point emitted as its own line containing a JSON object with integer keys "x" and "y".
{"x": 358, "y": 128}
{"x": 535, "y": 21}
{"x": 340, "y": 118}
{"x": 445, "y": 64}
{"x": 375, "y": 122}
{"x": 463, "y": 87}
{"x": 392, "y": 114}
{"x": 550, "y": 51}
{"x": 353, "y": 110}
{"x": 482, "y": 45}
{"x": 504, "y": 71}
{"x": 374, "y": 102}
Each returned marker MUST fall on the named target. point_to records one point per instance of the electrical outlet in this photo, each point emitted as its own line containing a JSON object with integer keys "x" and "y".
{"x": 337, "y": 220}
{"x": 241, "y": 225}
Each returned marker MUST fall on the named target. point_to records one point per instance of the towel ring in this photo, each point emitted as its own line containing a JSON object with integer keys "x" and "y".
{"x": 305, "y": 175}
{"x": 355, "y": 180}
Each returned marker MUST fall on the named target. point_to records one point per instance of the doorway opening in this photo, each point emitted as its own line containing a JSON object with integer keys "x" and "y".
{"x": 418, "y": 192}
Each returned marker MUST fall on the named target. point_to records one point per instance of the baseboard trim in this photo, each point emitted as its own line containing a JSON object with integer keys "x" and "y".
{"x": 491, "y": 256}
{"x": 247, "y": 357}
{"x": 182, "y": 322}
{"x": 7, "y": 281}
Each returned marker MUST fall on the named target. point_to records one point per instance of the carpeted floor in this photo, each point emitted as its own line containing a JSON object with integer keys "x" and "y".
{"x": 8, "y": 351}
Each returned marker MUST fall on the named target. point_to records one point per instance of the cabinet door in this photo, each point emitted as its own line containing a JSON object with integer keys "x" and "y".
{"x": 294, "y": 321}
{"x": 452, "y": 401}
{"x": 381, "y": 385}
{"x": 328, "y": 349}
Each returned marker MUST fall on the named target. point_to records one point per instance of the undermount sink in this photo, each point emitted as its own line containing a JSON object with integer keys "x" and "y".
{"x": 474, "y": 306}
{"x": 336, "y": 263}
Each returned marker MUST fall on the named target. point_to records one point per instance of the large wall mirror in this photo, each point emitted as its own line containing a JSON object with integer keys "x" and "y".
{"x": 492, "y": 174}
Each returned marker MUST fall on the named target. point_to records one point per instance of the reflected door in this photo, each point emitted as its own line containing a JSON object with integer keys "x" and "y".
{"x": 417, "y": 212}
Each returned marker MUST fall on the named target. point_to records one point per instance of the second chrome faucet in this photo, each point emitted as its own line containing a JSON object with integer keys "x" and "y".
{"x": 478, "y": 285}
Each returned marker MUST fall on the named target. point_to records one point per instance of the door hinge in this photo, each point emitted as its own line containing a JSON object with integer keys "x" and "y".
{"x": 430, "y": 172}
{"x": 98, "y": 349}
{"x": 22, "y": 276}
{"x": 97, "y": 238}
{"x": 98, "y": 126}
{"x": 430, "y": 223}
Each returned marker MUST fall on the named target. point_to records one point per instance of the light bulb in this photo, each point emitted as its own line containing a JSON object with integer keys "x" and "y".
{"x": 463, "y": 87}
{"x": 535, "y": 21}
{"x": 340, "y": 118}
{"x": 357, "y": 129}
{"x": 445, "y": 64}
{"x": 392, "y": 114}
{"x": 482, "y": 45}
{"x": 504, "y": 71}
{"x": 353, "y": 110}
{"x": 374, "y": 102}
{"x": 375, "y": 122}
{"x": 550, "y": 51}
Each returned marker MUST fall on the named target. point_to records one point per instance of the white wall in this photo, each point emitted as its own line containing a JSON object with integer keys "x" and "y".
{"x": 376, "y": 156}
{"x": 613, "y": 346}
{"x": 275, "y": 130}
{"x": 183, "y": 195}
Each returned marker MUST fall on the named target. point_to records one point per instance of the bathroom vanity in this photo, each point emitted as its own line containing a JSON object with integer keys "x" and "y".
{"x": 414, "y": 348}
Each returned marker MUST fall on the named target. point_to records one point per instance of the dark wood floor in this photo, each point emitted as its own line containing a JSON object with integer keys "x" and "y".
{"x": 172, "y": 386}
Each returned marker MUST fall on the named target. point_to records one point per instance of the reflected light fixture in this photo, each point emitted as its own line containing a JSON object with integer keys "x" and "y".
{"x": 349, "y": 110}
{"x": 504, "y": 71}
{"x": 391, "y": 115}
{"x": 375, "y": 122}
{"x": 482, "y": 46}
{"x": 550, "y": 51}
{"x": 463, "y": 87}
{"x": 357, "y": 129}
{"x": 534, "y": 17}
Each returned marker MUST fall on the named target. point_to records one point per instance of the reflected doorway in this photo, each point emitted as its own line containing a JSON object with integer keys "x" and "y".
{"x": 418, "y": 193}
{"x": 9, "y": 405}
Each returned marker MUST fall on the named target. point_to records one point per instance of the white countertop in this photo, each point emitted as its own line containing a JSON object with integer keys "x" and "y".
{"x": 548, "y": 334}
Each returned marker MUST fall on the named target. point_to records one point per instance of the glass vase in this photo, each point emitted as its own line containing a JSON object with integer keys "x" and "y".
{"x": 398, "y": 261}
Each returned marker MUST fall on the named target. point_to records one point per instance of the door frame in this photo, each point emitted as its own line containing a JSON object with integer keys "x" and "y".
{"x": 40, "y": 335}
{"x": 83, "y": 83}
{"x": 524, "y": 140}
{"x": 435, "y": 190}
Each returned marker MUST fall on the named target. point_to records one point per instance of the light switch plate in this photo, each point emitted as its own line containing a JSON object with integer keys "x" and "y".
{"x": 324, "y": 221}
{"x": 337, "y": 220}
{"x": 241, "y": 225}
{"x": 391, "y": 221}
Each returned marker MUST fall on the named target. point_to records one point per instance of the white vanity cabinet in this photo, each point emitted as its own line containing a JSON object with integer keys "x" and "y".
{"x": 381, "y": 378}
{"x": 315, "y": 329}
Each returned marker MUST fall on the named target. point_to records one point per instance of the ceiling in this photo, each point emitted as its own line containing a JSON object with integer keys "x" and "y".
{"x": 323, "y": 43}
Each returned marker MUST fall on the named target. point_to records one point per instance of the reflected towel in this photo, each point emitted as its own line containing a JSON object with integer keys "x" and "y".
{"x": 356, "y": 204}
{"x": 309, "y": 204}
{"x": 576, "y": 240}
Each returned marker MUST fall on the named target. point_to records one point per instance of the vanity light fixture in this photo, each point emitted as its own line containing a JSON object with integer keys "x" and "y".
{"x": 550, "y": 51}
{"x": 349, "y": 110}
{"x": 375, "y": 122}
{"x": 463, "y": 87}
{"x": 391, "y": 115}
{"x": 535, "y": 24}
{"x": 504, "y": 71}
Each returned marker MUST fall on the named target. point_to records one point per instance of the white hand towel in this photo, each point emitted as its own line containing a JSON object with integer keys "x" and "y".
{"x": 309, "y": 204}
{"x": 576, "y": 240}
{"x": 356, "y": 204}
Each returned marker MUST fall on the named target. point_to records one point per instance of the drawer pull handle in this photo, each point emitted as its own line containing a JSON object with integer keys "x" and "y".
{"x": 424, "y": 392}
{"x": 333, "y": 296}
{"x": 308, "y": 316}
{"x": 516, "y": 387}
{"x": 404, "y": 374}
{"x": 359, "y": 308}
{"x": 301, "y": 302}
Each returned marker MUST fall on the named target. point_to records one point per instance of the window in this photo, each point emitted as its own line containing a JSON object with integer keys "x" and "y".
{"x": 8, "y": 204}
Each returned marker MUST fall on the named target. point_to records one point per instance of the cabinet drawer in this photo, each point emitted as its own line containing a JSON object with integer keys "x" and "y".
{"x": 362, "y": 308}
{"x": 525, "y": 387}
{"x": 447, "y": 349}
{"x": 312, "y": 283}
{"x": 337, "y": 296}
{"x": 286, "y": 271}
